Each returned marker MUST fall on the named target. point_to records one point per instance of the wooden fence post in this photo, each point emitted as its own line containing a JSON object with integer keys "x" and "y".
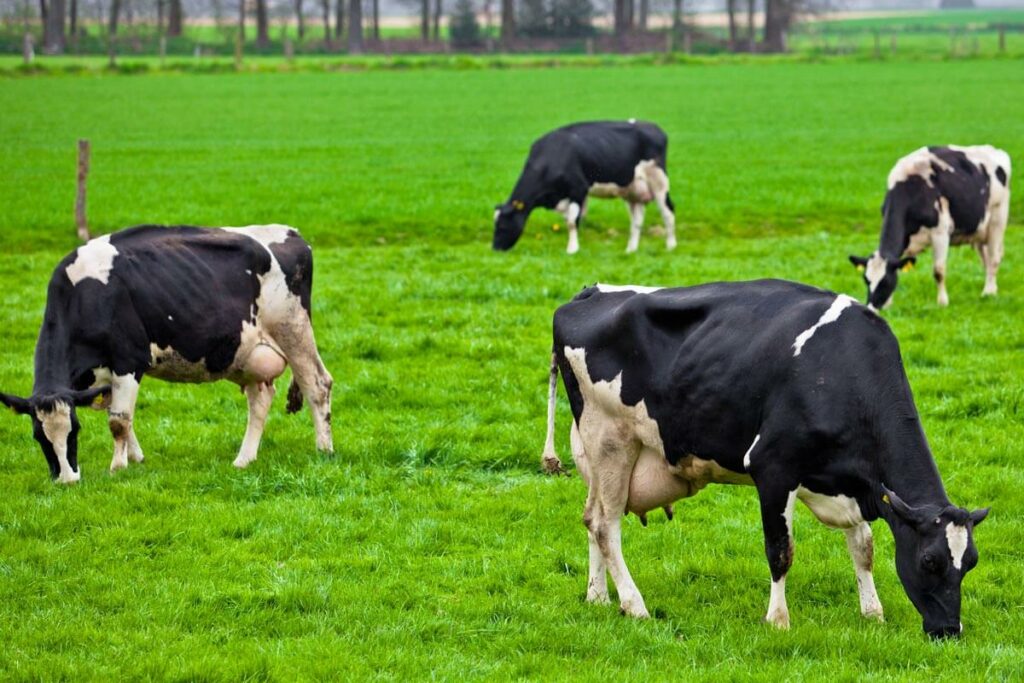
{"x": 952, "y": 41}
{"x": 1002, "y": 38}
{"x": 163, "y": 50}
{"x": 83, "y": 177}
{"x": 893, "y": 42}
{"x": 289, "y": 50}
{"x": 878, "y": 45}
{"x": 28, "y": 51}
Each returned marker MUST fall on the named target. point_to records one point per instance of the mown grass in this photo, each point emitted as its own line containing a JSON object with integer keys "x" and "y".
{"x": 429, "y": 545}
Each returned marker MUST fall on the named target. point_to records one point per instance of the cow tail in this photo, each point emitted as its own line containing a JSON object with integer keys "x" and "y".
{"x": 294, "y": 396}
{"x": 669, "y": 204}
{"x": 549, "y": 461}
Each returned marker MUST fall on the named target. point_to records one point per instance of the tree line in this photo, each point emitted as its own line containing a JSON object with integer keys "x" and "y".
{"x": 760, "y": 25}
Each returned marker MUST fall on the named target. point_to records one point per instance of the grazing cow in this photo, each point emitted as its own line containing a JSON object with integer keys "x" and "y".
{"x": 608, "y": 159}
{"x": 182, "y": 304}
{"x": 794, "y": 390}
{"x": 940, "y": 196}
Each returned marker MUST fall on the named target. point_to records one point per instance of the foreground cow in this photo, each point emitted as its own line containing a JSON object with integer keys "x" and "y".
{"x": 182, "y": 304}
{"x": 610, "y": 159}
{"x": 940, "y": 196}
{"x": 794, "y": 390}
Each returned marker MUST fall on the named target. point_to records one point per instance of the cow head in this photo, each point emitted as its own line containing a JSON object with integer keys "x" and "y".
{"x": 55, "y": 426}
{"x": 934, "y": 550}
{"x": 881, "y": 275}
{"x": 509, "y": 222}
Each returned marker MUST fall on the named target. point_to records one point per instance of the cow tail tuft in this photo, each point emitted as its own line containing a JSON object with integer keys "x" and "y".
{"x": 549, "y": 460}
{"x": 294, "y": 397}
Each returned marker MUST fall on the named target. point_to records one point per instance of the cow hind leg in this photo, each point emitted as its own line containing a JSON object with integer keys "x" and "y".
{"x": 572, "y": 215}
{"x": 777, "y": 521}
{"x": 124, "y": 390}
{"x": 636, "y": 224}
{"x": 994, "y": 248}
{"x": 940, "y": 250}
{"x": 597, "y": 576}
{"x": 657, "y": 180}
{"x": 260, "y": 395}
{"x": 312, "y": 378}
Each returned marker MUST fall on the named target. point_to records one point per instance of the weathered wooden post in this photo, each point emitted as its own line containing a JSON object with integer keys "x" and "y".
{"x": 83, "y": 177}
{"x": 878, "y": 45}
{"x": 952, "y": 41}
{"x": 238, "y": 50}
{"x": 28, "y": 51}
{"x": 590, "y": 46}
{"x": 1002, "y": 38}
{"x": 668, "y": 41}
{"x": 892, "y": 42}
{"x": 289, "y": 51}
{"x": 687, "y": 40}
{"x": 163, "y": 50}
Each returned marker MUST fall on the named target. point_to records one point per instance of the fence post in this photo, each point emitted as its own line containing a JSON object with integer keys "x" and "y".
{"x": 238, "y": 51}
{"x": 111, "y": 51}
{"x": 28, "y": 51}
{"x": 590, "y": 46}
{"x": 163, "y": 50}
{"x": 289, "y": 50}
{"x": 892, "y": 42}
{"x": 1002, "y": 38}
{"x": 83, "y": 177}
{"x": 878, "y": 45}
{"x": 952, "y": 41}
{"x": 686, "y": 40}
{"x": 668, "y": 41}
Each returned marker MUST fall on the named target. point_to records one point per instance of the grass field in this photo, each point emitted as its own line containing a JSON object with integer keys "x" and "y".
{"x": 429, "y": 545}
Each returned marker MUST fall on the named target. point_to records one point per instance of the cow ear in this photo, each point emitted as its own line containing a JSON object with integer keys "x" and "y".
{"x": 978, "y": 516}
{"x": 907, "y": 263}
{"x": 904, "y": 511}
{"x": 98, "y": 398}
{"x": 859, "y": 263}
{"x": 20, "y": 406}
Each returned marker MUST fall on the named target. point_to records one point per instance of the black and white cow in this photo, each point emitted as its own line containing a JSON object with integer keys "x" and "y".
{"x": 940, "y": 196}
{"x": 794, "y": 390}
{"x": 609, "y": 159}
{"x": 182, "y": 304}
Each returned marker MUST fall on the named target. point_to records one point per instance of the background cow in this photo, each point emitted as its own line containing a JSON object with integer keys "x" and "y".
{"x": 794, "y": 390}
{"x": 183, "y": 304}
{"x": 623, "y": 159}
{"x": 940, "y": 196}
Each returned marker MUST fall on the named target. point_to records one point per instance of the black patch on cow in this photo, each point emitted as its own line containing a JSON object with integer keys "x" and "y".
{"x": 1001, "y": 175}
{"x": 296, "y": 261}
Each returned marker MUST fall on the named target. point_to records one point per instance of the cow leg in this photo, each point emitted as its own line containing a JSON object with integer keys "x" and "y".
{"x": 657, "y": 180}
{"x": 124, "y": 390}
{"x": 636, "y": 224}
{"x": 260, "y": 395}
{"x": 940, "y": 250}
{"x": 572, "y": 214}
{"x": 994, "y": 248}
{"x": 299, "y": 347}
{"x": 597, "y": 580}
{"x": 134, "y": 449}
{"x": 861, "y": 546}
{"x": 777, "y": 521}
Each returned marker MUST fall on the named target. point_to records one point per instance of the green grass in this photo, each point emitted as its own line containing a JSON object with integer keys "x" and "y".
{"x": 429, "y": 545}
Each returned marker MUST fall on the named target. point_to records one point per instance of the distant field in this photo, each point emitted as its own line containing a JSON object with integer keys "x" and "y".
{"x": 429, "y": 546}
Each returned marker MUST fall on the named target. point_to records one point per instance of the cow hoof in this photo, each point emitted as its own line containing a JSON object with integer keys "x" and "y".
{"x": 116, "y": 465}
{"x": 633, "y": 610}
{"x": 552, "y": 465}
{"x": 596, "y": 598}
{"x": 875, "y": 614}
{"x": 631, "y": 249}
{"x": 990, "y": 292}
{"x": 136, "y": 457}
{"x": 779, "y": 620}
{"x": 242, "y": 462}
{"x": 70, "y": 479}
{"x": 669, "y": 246}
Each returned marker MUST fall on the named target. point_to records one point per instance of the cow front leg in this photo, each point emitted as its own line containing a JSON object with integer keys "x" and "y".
{"x": 124, "y": 390}
{"x": 940, "y": 250}
{"x": 260, "y": 396}
{"x": 777, "y": 522}
{"x": 572, "y": 215}
{"x": 636, "y": 224}
{"x": 861, "y": 546}
{"x": 994, "y": 248}
{"x": 657, "y": 179}
{"x": 134, "y": 449}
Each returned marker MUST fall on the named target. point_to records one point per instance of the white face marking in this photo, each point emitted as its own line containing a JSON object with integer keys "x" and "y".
{"x": 841, "y": 303}
{"x": 875, "y": 271}
{"x": 56, "y": 428}
{"x": 746, "y": 457}
{"x": 638, "y": 289}
{"x": 95, "y": 259}
{"x": 956, "y": 537}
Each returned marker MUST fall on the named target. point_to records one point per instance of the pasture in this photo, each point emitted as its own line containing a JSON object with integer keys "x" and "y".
{"x": 430, "y": 545}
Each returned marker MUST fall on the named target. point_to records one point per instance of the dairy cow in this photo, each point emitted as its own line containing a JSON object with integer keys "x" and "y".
{"x": 940, "y": 196}
{"x": 796, "y": 391}
{"x": 609, "y": 159}
{"x": 183, "y": 304}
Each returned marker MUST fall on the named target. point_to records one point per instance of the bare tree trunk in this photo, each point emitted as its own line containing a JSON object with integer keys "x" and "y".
{"x": 730, "y": 7}
{"x": 262, "y": 25}
{"x": 508, "y": 19}
{"x": 299, "y": 19}
{"x": 159, "y": 17}
{"x": 424, "y": 20}
{"x": 355, "y": 26}
{"x": 53, "y": 31}
{"x": 325, "y": 7}
{"x": 241, "y": 24}
{"x": 677, "y": 15}
{"x": 115, "y": 14}
{"x": 619, "y": 17}
{"x": 339, "y": 19}
{"x": 438, "y": 9}
{"x": 751, "y": 35}
{"x": 776, "y": 22}
{"x": 376, "y": 20}
{"x": 175, "y": 18}
{"x": 73, "y": 21}
{"x": 645, "y": 8}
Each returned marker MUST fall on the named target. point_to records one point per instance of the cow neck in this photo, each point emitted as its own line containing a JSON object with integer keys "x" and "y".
{"x": 53, "y": 356}
{"x": 894, "y": 239}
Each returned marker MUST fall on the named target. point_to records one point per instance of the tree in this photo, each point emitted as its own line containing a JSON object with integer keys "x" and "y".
{"x": 438, "y": 9}
{"x": 262, "y": 25}
{"x": 299, "y": 19}
{"x": 730, "y": 7}
{"x": 115, "y": 15}
{"x": 777, "y": 18}
{"x": 424, "y": 20}
{"x": 375, "y": 6}
{"x": 464, "y": 29}
{"x": 53, "y": 28}
{"x": 339, "y": 19}
{"x": 325, "y": 6}
{"x": 645, "y": 9}
{"x": 751, "y": 34}
{"x": 572, "y": 18}
{"x": 355, "y": 26}
{"x": 533, "y": 18}
{"x": 508, "y": 20}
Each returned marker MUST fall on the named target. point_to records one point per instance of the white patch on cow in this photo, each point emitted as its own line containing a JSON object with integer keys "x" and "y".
{"x": 94, "y": 259}
{"x": 170, "y": 317}
{"x": 572, "y": 214}
{"x": 841, "y": 303}
{"x": 56, "y": 428}
{"x": 917, "y": 163}
{"x": 778, "y": 611}
{"x": 265, "y": 234}
{"x": 632, "y": 121}
{"x": 746, "y": 456}
{"x": 787, "y": 514}
{"x": 638, "y": 289}
{"x": 875, "y": 271}
{"x": 249, "y": 272}
{"x": 956, "y": 537}
{"x": 838, "y": 511}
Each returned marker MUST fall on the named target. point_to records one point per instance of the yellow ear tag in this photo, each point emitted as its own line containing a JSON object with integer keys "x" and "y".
{"x": 885, "y": 499}
{"x": 860, "y": 269}
{"x": 518, "y": 205}
{"x": 908, "y": 267}
{"x": 97, "y": 402}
